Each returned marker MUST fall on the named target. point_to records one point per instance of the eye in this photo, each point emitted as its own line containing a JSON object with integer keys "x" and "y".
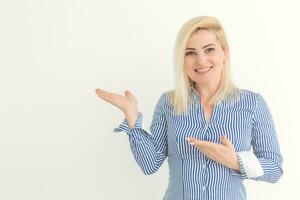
{"x": 209, "y": 50}
{"x": 190, "y": 53}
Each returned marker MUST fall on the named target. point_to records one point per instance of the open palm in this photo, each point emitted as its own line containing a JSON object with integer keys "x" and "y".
{"x": 127, "y": 103}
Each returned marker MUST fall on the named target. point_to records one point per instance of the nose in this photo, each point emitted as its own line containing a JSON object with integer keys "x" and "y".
{"x": 201, "y": 59}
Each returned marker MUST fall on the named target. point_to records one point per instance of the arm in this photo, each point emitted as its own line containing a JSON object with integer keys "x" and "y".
{"x": 265, "y": 143}
{"x": 149, "y": 150}
{"x": 265, "y": 162}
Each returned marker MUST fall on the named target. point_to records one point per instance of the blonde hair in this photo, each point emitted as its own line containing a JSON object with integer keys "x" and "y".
{"x": 179, "y": 98}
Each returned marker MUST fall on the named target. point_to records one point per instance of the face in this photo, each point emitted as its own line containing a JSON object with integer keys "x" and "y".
{"x": 204, "y": 58}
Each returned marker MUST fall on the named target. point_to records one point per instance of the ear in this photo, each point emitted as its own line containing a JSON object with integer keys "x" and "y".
{"x": 226, "y": 52}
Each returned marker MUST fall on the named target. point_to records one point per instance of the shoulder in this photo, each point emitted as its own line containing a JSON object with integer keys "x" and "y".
{"x": 166, "y": 97}
{"x": 164, "y": 101}
{"x": 245, "y": 93}
{"x": 256, "y": 96}
{"x": 249, "y": 95}
{"x": 245, "y": 99}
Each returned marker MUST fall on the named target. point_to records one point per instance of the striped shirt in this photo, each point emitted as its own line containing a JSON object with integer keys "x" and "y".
{"x": 247, "y": 123}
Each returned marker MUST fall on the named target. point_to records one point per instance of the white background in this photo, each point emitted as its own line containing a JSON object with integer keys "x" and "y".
{"x": 56, "y": 139}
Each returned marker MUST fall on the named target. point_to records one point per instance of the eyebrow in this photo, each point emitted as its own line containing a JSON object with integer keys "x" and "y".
{"x": 202, "y": 47}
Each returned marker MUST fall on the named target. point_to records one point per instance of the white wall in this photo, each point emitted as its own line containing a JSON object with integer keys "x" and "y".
{"x": 56, "y": 139}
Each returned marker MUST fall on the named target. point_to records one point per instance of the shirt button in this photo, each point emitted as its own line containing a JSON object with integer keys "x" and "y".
{"x": 203, "y": 188}
{"x": 203, "y": 166}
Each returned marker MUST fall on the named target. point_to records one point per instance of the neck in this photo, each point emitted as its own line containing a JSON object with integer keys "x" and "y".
{"x": 207, "y": 91}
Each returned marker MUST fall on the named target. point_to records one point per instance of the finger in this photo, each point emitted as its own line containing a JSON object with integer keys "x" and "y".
{"x": 129, "y": 95}
{"x": 211, "y": 148}
{"x": 225, "y": 141}
{"x": 192, "y": 140}
{"x": 102, "y": 94}
{"x": 200, "y": 143}
{"x": 110, "y": 97}
{"x": 209, "y": 154}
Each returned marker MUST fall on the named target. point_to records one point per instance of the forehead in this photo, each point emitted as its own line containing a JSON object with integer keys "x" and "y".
{"x": 202, "y": 38}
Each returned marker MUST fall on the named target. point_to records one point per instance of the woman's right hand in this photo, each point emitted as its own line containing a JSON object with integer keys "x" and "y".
{"x": 127, "y": 103}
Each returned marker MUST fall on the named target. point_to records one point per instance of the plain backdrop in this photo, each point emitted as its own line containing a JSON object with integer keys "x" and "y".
{"x": 56, "y": 139}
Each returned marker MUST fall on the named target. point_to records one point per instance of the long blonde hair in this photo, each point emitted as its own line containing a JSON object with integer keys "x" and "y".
{"x": 180, "y": 96}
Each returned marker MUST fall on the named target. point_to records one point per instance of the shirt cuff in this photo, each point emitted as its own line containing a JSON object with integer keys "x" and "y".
{"x": 250, "y": 166}
{"x": 124, "y": 125}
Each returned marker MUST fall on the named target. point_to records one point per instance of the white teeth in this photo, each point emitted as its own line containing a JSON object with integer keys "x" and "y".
{"x": 205, "y": 69}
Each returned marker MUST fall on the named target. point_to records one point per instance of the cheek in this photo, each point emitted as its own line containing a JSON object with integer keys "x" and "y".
{"x": 188, "y": 64}
{"x": 219, "y": 62}
{"x": 188, "y": 61}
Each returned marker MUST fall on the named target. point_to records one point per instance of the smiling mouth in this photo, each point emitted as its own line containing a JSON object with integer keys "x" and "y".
{"x": 203, "y": 70}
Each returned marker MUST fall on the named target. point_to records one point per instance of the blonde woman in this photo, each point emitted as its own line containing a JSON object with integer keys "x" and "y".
{"x": 213, "y": 134}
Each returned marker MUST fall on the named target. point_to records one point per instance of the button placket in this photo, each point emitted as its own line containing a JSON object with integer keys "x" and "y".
{"x": 203, "y": 167}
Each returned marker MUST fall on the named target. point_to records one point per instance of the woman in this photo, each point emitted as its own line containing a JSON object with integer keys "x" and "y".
{"x": 214, "y": 134}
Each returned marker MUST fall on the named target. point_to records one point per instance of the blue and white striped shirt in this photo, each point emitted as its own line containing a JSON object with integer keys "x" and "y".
{"x": 247, "y": 123}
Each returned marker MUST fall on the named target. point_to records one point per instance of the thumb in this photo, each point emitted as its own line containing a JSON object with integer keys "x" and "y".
{"x": 129, "y": 95}
{"x": 225, "y": 141}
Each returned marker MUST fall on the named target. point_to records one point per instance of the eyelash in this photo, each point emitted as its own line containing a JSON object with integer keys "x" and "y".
{"x": 209, "y": 50}
{"x": 189, "y": 53}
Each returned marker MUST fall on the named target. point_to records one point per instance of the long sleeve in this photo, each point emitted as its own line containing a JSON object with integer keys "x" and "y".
{"x": 265, "y": 162}
{"x": 265, "y": 143}
{"x": 149, "y": 149}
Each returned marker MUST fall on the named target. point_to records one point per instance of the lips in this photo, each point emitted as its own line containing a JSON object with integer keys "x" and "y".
{"x": 203, "y": 70}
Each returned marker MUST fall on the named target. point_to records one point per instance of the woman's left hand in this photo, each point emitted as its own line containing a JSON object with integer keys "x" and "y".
{"x": 223, "y": 153}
